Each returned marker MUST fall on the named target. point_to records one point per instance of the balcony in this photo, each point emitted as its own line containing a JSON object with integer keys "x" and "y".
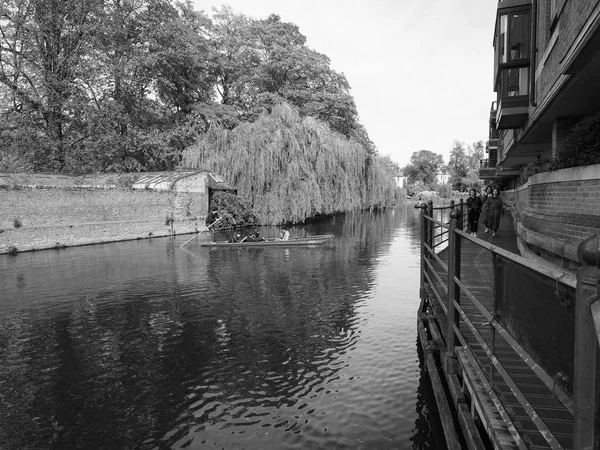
{"x": 487, "y": 169}
{"x": 492, "y": 144}
{"x": 512, "y": 112}
{"x": 493, "y": 111}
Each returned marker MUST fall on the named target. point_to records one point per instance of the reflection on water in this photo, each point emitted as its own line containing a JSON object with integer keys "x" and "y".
{"x": 147, "y": 345}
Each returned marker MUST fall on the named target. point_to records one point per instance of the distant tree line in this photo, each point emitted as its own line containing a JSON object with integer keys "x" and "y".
{"x": 128, "y": 85}
{"x": 463, "y": 167}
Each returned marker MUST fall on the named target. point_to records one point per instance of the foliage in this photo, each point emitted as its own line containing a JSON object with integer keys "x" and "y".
{"x": 581, "y": 147}
{"x": 233, "y": 211}
{"x": 127, "y": 85}
{"x": 290, "y": 168}
{"x": 423, "y": 167}
{"x": 538, "y": 166}
{"x": 464, "y": 165}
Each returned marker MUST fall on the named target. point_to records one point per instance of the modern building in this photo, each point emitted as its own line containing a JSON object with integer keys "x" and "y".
{"x": 547, "y": 79}
{"x": 546, "y": 76}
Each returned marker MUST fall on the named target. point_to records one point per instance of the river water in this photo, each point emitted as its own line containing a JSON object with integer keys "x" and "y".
{"x": 146, "y": 345}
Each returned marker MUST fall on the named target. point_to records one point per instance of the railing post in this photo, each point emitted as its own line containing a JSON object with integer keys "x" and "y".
{"x": 424, "y": 236}
{"x": 461, "y": 223}
{"x": 453, "y": 289}
{"x": 430, "y": 238}
{"x": 586, "y": 383}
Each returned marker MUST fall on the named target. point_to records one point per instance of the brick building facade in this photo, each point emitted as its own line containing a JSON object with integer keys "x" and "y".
{"x": 547, "y": 73}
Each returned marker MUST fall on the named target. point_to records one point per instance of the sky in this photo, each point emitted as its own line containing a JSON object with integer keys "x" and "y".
{"x": 420, "y": 71}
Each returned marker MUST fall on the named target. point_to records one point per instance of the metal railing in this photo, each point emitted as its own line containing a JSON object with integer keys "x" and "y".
{"x": 507, "y": 317}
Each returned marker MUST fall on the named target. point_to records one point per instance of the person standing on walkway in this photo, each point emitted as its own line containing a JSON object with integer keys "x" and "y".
{"x": 495, "y": 210}
{"x": 487, "y": 193}
{"x": 473, "y": 211}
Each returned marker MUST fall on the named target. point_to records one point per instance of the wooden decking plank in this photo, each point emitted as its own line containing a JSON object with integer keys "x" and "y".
{"x": 500, "y": 429}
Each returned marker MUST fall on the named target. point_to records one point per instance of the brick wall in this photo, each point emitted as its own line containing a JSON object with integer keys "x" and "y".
{"x": 572, "y": 17}
{"x": 68, "y": 214}
{"x": 557, "y": 210}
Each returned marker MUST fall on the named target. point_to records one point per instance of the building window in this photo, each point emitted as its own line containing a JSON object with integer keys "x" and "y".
{"x": 519, "y": 36}
{"x": 513, "y": 58}
{"x": 513, "y": 53}
{"x": 515, "y": 82}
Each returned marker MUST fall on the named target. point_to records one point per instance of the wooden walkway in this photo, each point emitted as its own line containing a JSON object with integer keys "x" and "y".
{"x": 490, "y": 391}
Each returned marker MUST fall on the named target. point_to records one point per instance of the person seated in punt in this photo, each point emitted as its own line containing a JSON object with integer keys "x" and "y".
{"x": 255, "y": 237}
{"x": 285, "y": 234}
{"x": 237, "y": 238}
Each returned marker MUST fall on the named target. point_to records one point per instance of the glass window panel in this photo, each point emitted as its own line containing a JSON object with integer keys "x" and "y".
{"x": 503, "y": 39}
{"x": 519, "y": 36}
{"x": 516, "y": 82}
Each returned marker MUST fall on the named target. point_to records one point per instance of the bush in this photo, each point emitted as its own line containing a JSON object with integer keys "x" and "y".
{"x": 581, "y": 147}
{"x": 233, "y": 211}
{"x": 538, "y": 166}
{"x": 17, "y": 223}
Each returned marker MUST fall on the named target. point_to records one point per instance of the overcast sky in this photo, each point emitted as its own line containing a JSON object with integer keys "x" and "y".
{"x": 420, "y": 71}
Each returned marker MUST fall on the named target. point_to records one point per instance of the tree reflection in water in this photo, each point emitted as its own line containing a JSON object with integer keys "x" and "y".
{"x": 144, "y": 345}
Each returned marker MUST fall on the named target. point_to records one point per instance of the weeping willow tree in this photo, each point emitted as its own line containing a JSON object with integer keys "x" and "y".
{"x": 289, "y": 168}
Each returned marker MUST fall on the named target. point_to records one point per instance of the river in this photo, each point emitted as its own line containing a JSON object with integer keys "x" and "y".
{"x": 146, "y": 345}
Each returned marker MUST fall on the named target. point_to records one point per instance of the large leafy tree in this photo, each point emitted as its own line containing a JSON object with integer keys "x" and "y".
{"x": 93, "y": 85}
{"x": 464, "y": 165}
{"x": 43, "y": 50}
{"x": 127, "y": 85}
{"x": 423, "y": 167}
{"x": 260, "y": 63}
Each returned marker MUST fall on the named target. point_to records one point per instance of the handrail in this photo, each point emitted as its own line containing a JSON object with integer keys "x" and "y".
{"x": 437, "y": 277}
{"x": 437, "y": 295}
{"x": 437, "y": 222}
{"x": 587, "y": 319}
{"x": 566, "y": 278}
{"x": 539, "y": 423}
{"x": 561, "y": 395}
{"x": 586, "y": 345}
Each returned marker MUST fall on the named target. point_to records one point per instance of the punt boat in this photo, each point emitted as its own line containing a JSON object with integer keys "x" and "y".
{"x": 309, "y": 240}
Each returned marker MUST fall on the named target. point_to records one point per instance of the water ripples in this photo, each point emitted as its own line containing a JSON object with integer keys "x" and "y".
{"x": 267, "y": 349}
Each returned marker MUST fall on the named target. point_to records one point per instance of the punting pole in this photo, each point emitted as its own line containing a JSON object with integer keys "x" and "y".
{"x": 201, "y": 231}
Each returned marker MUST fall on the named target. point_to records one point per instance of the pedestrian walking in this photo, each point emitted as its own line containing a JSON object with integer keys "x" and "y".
{"x": 473, "y": 211}
{"x": 494, "y": 210}
{"x": 487, "y": 193}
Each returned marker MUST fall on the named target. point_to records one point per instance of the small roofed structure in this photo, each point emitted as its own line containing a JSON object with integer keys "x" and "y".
{"x": 215, "y": 183}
